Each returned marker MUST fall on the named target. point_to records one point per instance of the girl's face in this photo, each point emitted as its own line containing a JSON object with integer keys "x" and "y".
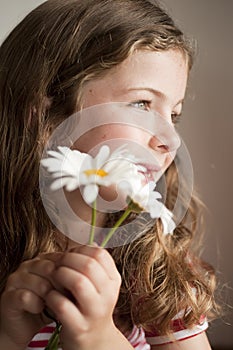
{"x": 148, "y": 80}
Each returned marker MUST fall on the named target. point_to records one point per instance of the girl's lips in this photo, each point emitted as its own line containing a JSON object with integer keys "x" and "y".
{"x": 148, "y": 167}
{"x": 149, "y": 171}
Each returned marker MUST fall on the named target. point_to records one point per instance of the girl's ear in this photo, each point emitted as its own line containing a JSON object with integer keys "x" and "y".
{"x": 45, "y": 105}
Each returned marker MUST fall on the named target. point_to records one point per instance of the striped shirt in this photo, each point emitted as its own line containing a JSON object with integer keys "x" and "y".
{"x": 139, "y": 339}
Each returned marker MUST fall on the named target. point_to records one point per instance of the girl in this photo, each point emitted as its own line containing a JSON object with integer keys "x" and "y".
{"x": 65, "y": 56}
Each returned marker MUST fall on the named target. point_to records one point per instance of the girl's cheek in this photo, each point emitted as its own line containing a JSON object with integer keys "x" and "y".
{"x": 110, "y": 134}
{"x": 110, "y": 198}
{"x": 78, "y": 205}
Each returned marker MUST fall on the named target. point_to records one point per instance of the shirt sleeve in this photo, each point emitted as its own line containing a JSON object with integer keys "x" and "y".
{"x": 180, "y": 332}
{"x": 137, "y": 339}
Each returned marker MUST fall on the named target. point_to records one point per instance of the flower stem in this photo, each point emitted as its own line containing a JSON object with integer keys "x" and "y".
{"x": 93, "y": 222}
{"x": 113, "y": 229}
{"x": 54, "y": 340}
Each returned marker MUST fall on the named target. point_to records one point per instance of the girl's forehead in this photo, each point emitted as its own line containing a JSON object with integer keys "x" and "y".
{"x": 164, "y": 71}
{"x": 155, "y": 61}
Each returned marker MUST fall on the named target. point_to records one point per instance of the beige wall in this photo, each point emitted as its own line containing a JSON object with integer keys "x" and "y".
{"x": 207, "y": 129}
{"x": 12, "y": 11}
{"x": 207, "y": 126}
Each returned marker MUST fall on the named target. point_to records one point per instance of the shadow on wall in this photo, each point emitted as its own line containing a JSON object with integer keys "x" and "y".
{"x": 207, "y": 131}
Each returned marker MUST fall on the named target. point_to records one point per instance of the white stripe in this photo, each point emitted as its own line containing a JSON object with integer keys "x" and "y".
{"x": 142, "y": 347}
{"x": 134, "y": 335}
{"x": 138, "y": 336}
{"x": 183, "y": 334}
{"x": 42, "y": 336}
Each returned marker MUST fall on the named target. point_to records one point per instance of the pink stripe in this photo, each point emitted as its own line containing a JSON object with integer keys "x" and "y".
{"x": 47, "y": 329}
{"x": 177, "y": 325}
{"x": 138, "y": 343}
{"x": 38, "y": 343}
{"x": 170, "y": 342}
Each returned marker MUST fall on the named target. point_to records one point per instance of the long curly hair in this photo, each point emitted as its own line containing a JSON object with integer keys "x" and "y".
{"x": 44, "y": 64}
{"x": 163, "y": 275}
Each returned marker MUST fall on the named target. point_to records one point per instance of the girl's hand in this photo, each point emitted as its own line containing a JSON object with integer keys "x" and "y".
{"x": 87, "y": 287}
{"x": 22, "y": 302}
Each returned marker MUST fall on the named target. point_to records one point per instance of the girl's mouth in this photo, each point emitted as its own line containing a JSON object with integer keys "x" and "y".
{"x": 148, "y": 167}
{"x": 149, "y": 170}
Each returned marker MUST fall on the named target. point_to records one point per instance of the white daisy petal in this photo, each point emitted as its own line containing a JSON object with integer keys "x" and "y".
{"x": 72, "y": 184}
{"x": 63, "y": 161}
{"x": 144, "y": 196}
{"x": 156, "y": 209}
{"x": 90, "y": 193}
{"x": 102, "y": 156}
{"x": 62, "y": 151}
{"x": 167, "y": 221}
{"x": 58, "y": 184}
{"x": 52, "y": 164}
{"x": 72, "y": 169}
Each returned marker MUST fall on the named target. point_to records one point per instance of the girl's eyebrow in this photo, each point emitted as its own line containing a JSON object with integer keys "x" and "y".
{"x": 158, "y": 93}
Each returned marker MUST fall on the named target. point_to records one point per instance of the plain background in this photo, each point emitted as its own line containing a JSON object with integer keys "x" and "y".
{"x": 206, "y": 128}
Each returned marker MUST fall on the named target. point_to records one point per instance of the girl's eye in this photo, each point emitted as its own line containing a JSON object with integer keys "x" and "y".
{"x": 143, "y": 104}
{"x": 175, "y": 118}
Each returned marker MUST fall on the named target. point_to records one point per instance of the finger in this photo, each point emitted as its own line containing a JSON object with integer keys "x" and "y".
{"x": 22, "y": 299}
{"x": 80, "y": 287}
{"x": 65, "y": 311}
{"x": 87, "y": 266}
{"x": 103, "y": 257}
{"x": 42, "y": 267}
{"x": 51, "y": 256}
{"x": 38, "y": 266}
{"x": 28, "y": 281}
{"x": 36, "y": 284}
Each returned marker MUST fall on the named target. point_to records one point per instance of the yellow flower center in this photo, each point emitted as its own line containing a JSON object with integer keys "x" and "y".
{"x": 99, "y": 172}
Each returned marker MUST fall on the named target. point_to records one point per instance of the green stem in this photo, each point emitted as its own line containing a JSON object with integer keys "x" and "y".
{"x": 113, "y": 229}
{"x": 93, "y": 223}
{"x": 54, "y": 340}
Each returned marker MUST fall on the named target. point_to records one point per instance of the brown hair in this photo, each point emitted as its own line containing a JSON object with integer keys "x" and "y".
{"x": 163, "y": 275}
{"x": 44, "y": 64}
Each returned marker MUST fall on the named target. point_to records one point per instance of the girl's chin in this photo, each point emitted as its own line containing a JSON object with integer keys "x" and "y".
{"x": 158, "y": 176}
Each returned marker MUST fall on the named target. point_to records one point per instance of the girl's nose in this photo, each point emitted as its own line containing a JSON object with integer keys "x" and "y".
{"x": 158, "y": 145}
{"x": 165, "y": 139}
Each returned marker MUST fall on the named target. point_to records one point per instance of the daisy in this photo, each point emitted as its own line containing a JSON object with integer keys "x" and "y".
{"x": 72, "y": 169}
{"x": 144, "y": 198}
{"x": 64, "y": 165}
